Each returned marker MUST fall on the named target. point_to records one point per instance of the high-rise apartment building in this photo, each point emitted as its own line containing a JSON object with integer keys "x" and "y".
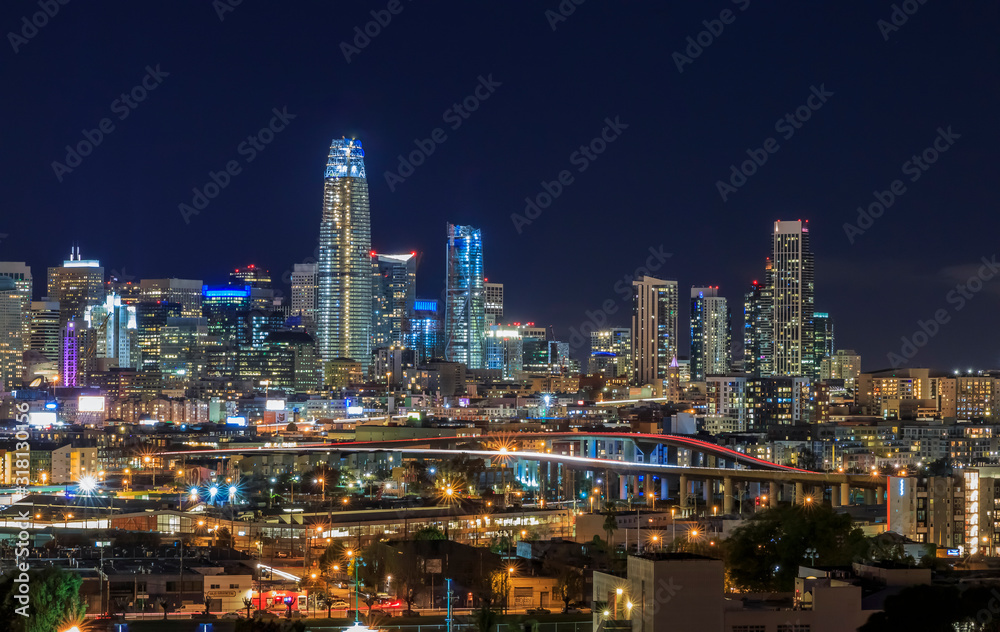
{"x": 504, "y": 350}
{"x": 76, "y": 284}
{"x": 45, "y": 330}
{"x": 711, "y": 333}
{"x": 823, "y": 345}
{"x": 494, "y": 303}
{"x": 20, "y": 273}
{"x": 425, "y": 336}
{"x": 758, "y": 330}
{"x": 344, "y": 310}
{"x": 150, "y": 320}
{"x": 611, "y": 352}
{"x": 465, "y": 298}
{"x": 187, "y": 292}
{"x": 114, "y": 332}
{"x": 654, "y": 329}
{"x": 843, "y": 364}
{"x": 305, "y": 286}
{"x": 11, "y": 340}
{"x": 792, "y": 313}
{"x": 251, "y": 275}
{"x": 394, "y": 279}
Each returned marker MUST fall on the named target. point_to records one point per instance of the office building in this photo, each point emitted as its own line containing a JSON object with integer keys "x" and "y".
{"x": 711, "y": 337}
{"x": 494, "y": 303}
{"x": 465, "y": 298}
{"x": 611, "y": 352}
{"x": 504, "y": 351}
{"x": 69, "y": 363}
{"x": 186, "y": 292}
{"x": 20, "y": 273}
{"x": 654, "y": 329}
{"x": 394, "y": 279}
{"x": 11, "y": 340}
{"x": 345, "y": 279}
{"x": 792, "y": 300}
{"x": 76, "y": 284}
{"x": 226, "y": 308}
{"x": 113, "y": 328}
{"x": 843, "y": 364}
{"x": 305, "y": 289}
{"x": 425, "y": 335}
{"x": 183, "y": 349}
{"x": 251, "y": 275}
{"x": 45, "y": 330}
{"x": 758, "y": 329}
{"x": 150, "y": 319}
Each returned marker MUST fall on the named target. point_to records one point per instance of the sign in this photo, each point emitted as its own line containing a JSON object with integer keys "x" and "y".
{"x": 433, "y": 566}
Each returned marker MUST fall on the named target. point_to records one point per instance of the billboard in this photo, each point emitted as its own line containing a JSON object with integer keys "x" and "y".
{"x": 41, "y": 419}
{"x": 236, "y": 421}
{"x": 90, "y": 404}
{"x": 275, "y": 404}
{"x": 355, "y": 410}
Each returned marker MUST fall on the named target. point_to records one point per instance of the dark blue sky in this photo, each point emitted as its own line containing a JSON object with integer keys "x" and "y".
{"x": 653, "y": 186}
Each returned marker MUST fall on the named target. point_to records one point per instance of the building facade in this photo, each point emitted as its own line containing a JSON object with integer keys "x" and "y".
{"x": 465, "y": 298}
{"x": 654, "y": 329}
{"x": 792, "y": 300}
{"x": 711, "y": 333}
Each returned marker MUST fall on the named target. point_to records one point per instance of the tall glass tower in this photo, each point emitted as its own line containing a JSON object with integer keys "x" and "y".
{"x": 711, "y": 331}
{"x": 465, "y": 299}
{"x": 792, "y": 300}
{"x": 344, "y": 302}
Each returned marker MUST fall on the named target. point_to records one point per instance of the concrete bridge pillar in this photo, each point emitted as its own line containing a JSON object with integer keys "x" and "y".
{"x": 664, "y": 488}
{"x": 622, "y": 486}
{"x": 727, "y": 495}
{"x": 707, "y": 491}
{"x": 880, "y": 495}
{"x": 712, "y": 460}
{"x": 869, "y": 496}
{"x": 845, "y": 494}
{"x": 834, "y": 496}
{"x": 772, "y": 495}
{"x": 682, "y": 494}
{"x": 800, "y": 493}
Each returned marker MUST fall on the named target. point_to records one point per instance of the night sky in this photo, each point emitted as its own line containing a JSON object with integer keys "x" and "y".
{"x": 654, "y": 186}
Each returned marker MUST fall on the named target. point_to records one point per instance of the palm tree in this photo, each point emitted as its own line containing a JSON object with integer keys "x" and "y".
{"x": 248, "y": 604}
{"x": 610, "y": 521}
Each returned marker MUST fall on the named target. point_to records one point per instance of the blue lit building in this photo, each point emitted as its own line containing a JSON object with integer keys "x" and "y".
{"x": 465, "y": 298}
{"x": 393, "y": 293}
{"x": 425, "y": 336}
{"x": 225, "y": 307}
{"x": 344, "y": 302}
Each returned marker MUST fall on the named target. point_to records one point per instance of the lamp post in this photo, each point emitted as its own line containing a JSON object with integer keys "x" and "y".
{"x": 673, "y": 528}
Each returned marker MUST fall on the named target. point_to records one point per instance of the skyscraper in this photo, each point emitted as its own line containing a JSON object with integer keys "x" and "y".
{"x": 394, "y": 280}
{"x": 11, "y": 340}
{"x": 20, "y": 273}
{"x": 45, "y": 331}
{"x": 654, "y": 329}
{"x": 711, "y": 333}
{"x": 792, "y": 283}
{"x": 425, "y": 335}
{"x": 494, "y": 303}
{"x": 465, "y": 298}
{"x": 115, "y": 334}
{"x": 305, "y": 282}
{"x": 758, "y": 330}
{"x": 823, "y": 345}
{"x": 344, "y": 310}
{"x": 187, "y": 292}
{"x": 76, "y": 284}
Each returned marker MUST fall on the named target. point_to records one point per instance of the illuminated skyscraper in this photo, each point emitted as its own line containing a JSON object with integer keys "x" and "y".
{"x": 11, "y": 340}
{"x": 822, "y": 337}
{"x": 611, "y": 352}
{"x": 115, "y": 336}
{"x": 251, "y": 275}
{"x": 654, "y": 329}
{"x": 305, "y": 283}
{"x": 757, "y": 328}
{"x": 465, "y": 298}
{"x": 45, "y": 331}
{"x": 425, "y": 336}
{"x": 20, "y": 273}
{"x": 711, "y": 333}
{"x": 494, "y": 303}
{"x": 344, "y": 310}
{"x": 187, "y": 292}
{"x": 394, "y": 280}
{"x": 792, "y": 313}
{"x": 76, "y": 284}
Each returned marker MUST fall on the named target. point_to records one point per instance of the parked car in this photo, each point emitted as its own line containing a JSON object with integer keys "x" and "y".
{"x": 340, "y": 604}
{"x": 281, "y": 554}
{"x": 572, "y": 610}
{"x": 538, "y": 611}
{"x": 234, "y": 615}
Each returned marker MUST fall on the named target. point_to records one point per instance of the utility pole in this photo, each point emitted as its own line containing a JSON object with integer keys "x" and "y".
{"x": 448, "y": 620}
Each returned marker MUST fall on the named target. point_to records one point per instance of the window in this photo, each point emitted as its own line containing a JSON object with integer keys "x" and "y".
{"x": 214, "y": 586}
{"x": 234, "y": 585}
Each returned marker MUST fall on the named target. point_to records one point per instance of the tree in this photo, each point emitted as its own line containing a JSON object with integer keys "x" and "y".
{"x": 429, "y": 533}
{"x": 164, "y": 602}
{"x": 208, "y": 604}
{"x": 53, "y": 601}
{"x": 924, "y": 607}
{"x": 410, "y": 577}
{"x": 610, "y": 521}
{"x": 248, "y": 604}
{"x": 569, "y": 584}
{"x": 764, "y": 554}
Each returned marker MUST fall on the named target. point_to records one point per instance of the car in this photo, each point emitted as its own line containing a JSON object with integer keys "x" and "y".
{"x": 281, "y": 554}
{"x": 409, "y": 613}
{"x": 340, "y": 604}
{"x": 572, "y": 610}
{"x": 538, "y": 611}
{"x": 234, "y": 615}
